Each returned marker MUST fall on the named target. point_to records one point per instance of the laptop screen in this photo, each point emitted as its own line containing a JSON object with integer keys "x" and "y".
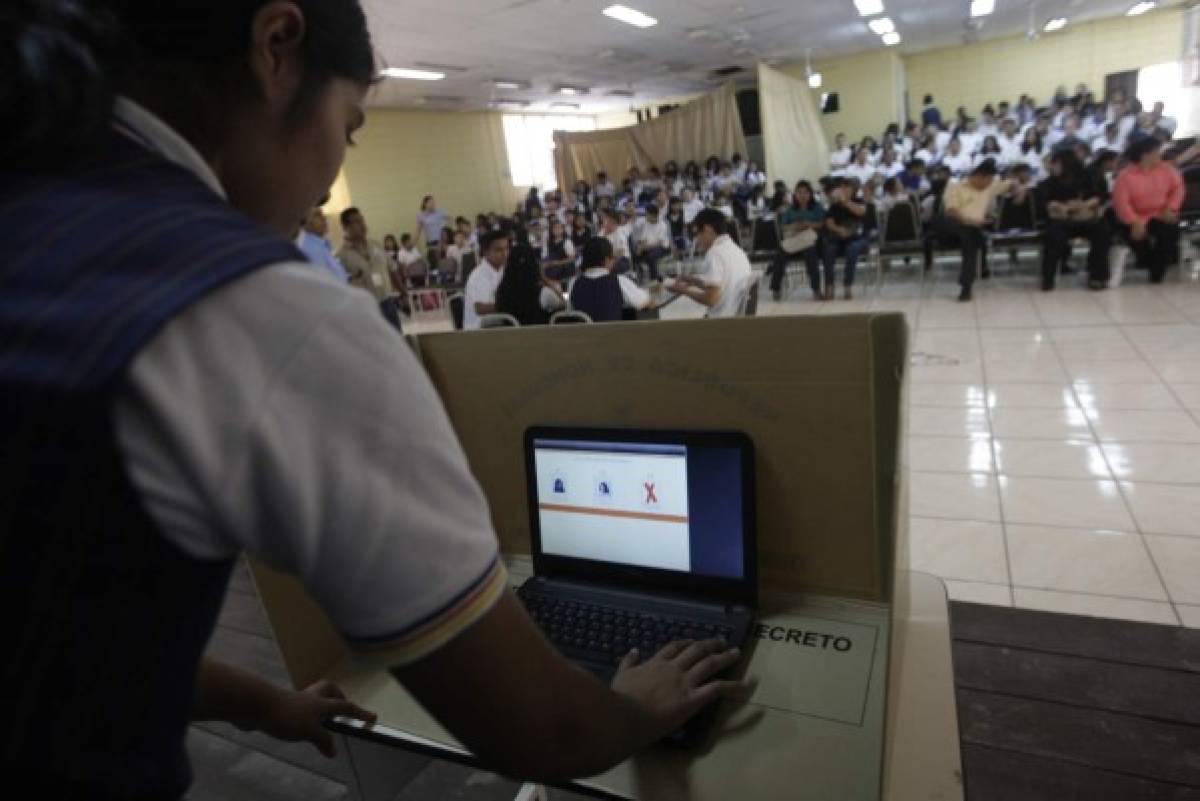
{"x": 661, "y": 505}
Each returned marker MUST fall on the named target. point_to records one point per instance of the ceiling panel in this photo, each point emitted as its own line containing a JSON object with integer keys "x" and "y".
{"x": 547, "y": 43}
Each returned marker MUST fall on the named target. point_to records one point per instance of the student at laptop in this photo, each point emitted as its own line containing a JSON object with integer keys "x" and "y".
{"x": 220, "y": 397}
{"x": 598, "y": 291}
{"x": 726, "y": 268}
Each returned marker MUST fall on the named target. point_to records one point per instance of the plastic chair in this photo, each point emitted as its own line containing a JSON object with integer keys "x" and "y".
{"x": 899, "y": 235}
{"x": 764, "y": 236}
{"x": 456, "y": 303}
{"x": 498, "y": 321}
{"x": 569, "y": 317}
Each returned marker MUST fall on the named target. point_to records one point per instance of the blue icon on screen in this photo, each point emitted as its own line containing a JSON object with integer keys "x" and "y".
{"x": 604, "y": 488}
{"x": 559, "y": 488}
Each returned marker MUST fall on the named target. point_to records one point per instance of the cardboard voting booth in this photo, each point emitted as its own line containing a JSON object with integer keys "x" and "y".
{"x": 821, "y": 397}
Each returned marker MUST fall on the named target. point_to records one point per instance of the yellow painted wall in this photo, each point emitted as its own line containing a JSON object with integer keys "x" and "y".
{"x": 401, "y": 156}
{"x": 866, "y": 85}
{"x": 1004, "y": 69}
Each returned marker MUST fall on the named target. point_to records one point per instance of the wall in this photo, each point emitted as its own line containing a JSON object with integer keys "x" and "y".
{"x": 400, "y": 156}
{"x": 1004, "y": 69}
{"x": 866, "y": 87}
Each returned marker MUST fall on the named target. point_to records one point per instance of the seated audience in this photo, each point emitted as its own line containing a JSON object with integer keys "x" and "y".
{"x": 913, "y": 178}
{"x": 841, "y": 154}
{"x": 843, "y": 236}
{"x": 678, "y": 225}
{"x": 315, "y": 246}
{"x": 598, "y": 291}
{"x": 479, "y": 296}
{"x": 614, "y": 230}
{"x": 519, "y": 292}
{"x": 892, "y": 193}
{"x": 990, "y": 149}
{"x": 1147, "y": 197}
{"x": 726, "y": 273}
{"x": 692, "y": 206}
{"x": 1032, "y": 152}
{"x": 581, "y": 232}
{"x": 756, "y": 204}
{"x": 653, "y": 241}
{"x": 558, "y": 252}
{"x": 455, "y": 253}
{"x": 956, "y": 159}
{"x": 604, "y": 187}
{"x": 754, "y": 176}
{"x": 861, "y": 168}
{"x": 800, "y": 227}
{"x": 967, "y": 212}
{"x": 1073, "y": 209}
{"x": 723, "y": 204}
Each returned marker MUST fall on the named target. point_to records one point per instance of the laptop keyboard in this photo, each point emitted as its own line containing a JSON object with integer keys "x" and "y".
{"x": 603, "y": 634}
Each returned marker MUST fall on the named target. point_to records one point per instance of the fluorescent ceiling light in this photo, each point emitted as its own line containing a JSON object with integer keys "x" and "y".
{"x": 815, "y": 80}
{"x": 1056, "y": 24}
{"x": 412, "y": 75}
{"x": 630, "y": 15}
{"x": 892, "y": 38}
{"x": 565, "y": 105}
{"x": 869, "y": 7}
{"x": 569, "y": 91}
{"x": 1140, "y": 8}
{"x": 509, "y": 85}
{"x": 882, "y": 25}
{"x": 981, "y": 8}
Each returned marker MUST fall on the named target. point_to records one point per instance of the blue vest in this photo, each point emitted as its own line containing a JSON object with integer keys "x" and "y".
{"x": 600, "y": 298}
{"x": 104, "y": 620}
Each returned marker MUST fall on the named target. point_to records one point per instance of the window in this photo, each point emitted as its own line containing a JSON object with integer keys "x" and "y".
{"x": 1164, "y": 83}
{"x": 530, "y": 142}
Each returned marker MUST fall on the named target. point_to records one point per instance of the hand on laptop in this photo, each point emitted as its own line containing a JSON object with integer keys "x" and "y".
{"x": 678, "y": 681}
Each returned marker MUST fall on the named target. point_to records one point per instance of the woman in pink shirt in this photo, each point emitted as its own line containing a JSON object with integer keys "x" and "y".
{"x": 1147, "y": 198}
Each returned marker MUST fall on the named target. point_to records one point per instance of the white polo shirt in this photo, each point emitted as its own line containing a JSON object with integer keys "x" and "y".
{"x": 481, "y": 288}
{"x": 726, "y": 266}
{"x": 282, "y": 416}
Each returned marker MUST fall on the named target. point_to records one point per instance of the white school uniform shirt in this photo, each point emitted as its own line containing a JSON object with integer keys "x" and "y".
{"x": 970, "y": 142}
{"x": 605, "y": 189}
{"x": 756, "y": 209}
{"x": 691, "y": 208}
{"x": 727, "y": 210}
{"x": 984, "y": 130}
{"x": 758, "y": 178}
{"x": 726, "y": 266}
{"x": 928, "y": 156}
{"x": 654, "y": 234}
{"x": 409, "y": 256}
{"x": 1010, "y": 149}
{"x": 1102, "y": 143}
{"x": 958, "y": 165}
{"x": 455, "y": 253}
{"x": 632, "y": 295}
{"x": 243, "y": 425}
{"x": 862, "y": 172}
{"x": 839, "y": 159}
{"x": 889, "y": 170}
{"x": 481, "y": 288}
{"x": 941, "y": 139}
{"x": 619, "y": 241}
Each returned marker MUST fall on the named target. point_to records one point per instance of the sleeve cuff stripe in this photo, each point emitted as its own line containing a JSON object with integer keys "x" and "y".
{"x": 424, "y": 636}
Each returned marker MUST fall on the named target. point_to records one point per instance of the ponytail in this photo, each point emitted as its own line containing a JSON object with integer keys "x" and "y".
{"x": 55, "y": 94}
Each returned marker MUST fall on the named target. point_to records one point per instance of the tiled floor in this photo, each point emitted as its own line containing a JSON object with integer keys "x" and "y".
{"x": 1053, "y": 439}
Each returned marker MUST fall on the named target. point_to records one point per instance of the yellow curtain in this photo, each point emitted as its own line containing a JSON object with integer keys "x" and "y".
{"x": 793, "y": 141}
{"x": 707, "y": 126}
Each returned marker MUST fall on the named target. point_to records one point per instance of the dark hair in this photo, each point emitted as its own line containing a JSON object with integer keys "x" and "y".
{"x": 812, "y": 196}
{"x": 405, "y": 238}
{"x": 1068, "y": 159}
{"x": 519, "y": 292}
{"x": 985, "y": 167}
{"x": 1141, "y": 147}
{"x": 914, "y": 164}
{"x": 391, "y": 237}
{"x": 651, "y": 209}
{"x": 711, "y": 218}
{"x": 62, "y": 62}
{"x": 490, "y": 238}
{"x": 596, "y": 252}
{"x": 348, "y": 214}
{"x": 928, "y": 98}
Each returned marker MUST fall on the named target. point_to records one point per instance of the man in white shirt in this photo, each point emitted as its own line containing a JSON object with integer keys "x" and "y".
{"x": 726, "y": 269}
{"x": 614, "y": 231}
{"x": 1110, "y": 140}
{"x": 1168, "y": 124}
{"x": 479, "y": 296}
{"x": 692, "y": 206}
{"x": 839, "y": 157}
{"x": 604, "y": 187}
{"x": 862, "y": 169}
{"x": 1009, "y": 141}
{"x": 653, "y": 240}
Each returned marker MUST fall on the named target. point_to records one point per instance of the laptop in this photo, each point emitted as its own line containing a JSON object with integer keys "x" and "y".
{"x": 639, "y": 538}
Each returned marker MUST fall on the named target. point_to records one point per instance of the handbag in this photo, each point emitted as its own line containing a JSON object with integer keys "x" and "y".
{"x": 799, "y": 242}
